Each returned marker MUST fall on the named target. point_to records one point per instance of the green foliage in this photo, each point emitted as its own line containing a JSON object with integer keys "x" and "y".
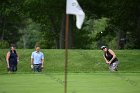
{"x": 130, "y": 43}
{"x": 50, "y": 14}
{"x": 30, "y": 35}
{"x": 47, "y": 36}
{"x": 96, "y": 29}
{"x": 4, "y": 44}
{"x": 113, "y": 43}
{"x": 99, "y": 26}
{"x": 11, "y": 20}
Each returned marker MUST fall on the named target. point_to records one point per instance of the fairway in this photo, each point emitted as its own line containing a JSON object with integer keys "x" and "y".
{"x": 77, "y": 83}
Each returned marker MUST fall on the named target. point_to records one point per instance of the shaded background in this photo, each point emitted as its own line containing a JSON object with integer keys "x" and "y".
{"x": 115, "y": 23}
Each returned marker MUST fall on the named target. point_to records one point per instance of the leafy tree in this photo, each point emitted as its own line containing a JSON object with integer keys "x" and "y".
{"x": 11, "y": 20}
{"x": 115, "y": 23}
{"x": 30, "y": 35}
{"x": 96, "y": 29}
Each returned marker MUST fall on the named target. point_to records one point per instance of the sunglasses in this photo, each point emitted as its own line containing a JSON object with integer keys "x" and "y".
{"x": 103, "y": 48}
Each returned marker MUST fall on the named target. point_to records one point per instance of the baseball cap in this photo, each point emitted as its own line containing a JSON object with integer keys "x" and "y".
{"x": 103, "y": 47}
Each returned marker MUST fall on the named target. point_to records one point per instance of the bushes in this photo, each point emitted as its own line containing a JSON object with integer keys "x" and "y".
{"x": 4, "y": 44}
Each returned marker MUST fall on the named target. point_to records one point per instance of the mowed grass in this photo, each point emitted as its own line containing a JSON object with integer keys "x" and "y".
{"x": 77, "y": 83}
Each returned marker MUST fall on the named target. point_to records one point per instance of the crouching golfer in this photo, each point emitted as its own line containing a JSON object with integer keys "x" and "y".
{"x": 110, "y": 58}
{"x": 37, "y": 60}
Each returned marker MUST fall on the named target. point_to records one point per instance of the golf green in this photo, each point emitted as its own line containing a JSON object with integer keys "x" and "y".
{"x": 77, "y": 83}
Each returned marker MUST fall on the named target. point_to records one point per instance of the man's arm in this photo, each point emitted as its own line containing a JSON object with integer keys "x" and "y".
{"x": 32, "y": 60}
{"x": 42, "y": 60}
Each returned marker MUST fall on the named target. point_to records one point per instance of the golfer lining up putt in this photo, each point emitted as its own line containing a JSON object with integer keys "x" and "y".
{"x": 37, "y": 60}
{"x": 110, "y": 58}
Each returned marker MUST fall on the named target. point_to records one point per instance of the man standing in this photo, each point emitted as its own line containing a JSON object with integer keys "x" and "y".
{"x": 37, "y": 60}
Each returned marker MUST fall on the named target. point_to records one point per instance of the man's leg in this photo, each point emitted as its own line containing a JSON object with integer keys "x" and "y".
{"x": 39, "y": 68}
{"x": 35, "y": 68}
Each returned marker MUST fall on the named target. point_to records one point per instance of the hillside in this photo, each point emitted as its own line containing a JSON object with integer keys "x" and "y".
{"x": 78, "y": 60}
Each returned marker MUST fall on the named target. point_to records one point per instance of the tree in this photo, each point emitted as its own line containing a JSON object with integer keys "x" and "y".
{"x": 10, "y": 20}
{"x": 118, "y": 20}
{"x": 31, "y": 34}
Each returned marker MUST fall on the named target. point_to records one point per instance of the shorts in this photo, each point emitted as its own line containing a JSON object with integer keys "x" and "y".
{"x": 114, "y": 66}
{"x": 12, "y": 66}
{"x": 37, "y": 67}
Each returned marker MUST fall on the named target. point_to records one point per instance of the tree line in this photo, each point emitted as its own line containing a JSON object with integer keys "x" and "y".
{"x": 115, "y": 23}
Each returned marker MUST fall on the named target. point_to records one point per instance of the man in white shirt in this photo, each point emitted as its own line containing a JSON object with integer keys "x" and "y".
{"x": 37, "y": 60}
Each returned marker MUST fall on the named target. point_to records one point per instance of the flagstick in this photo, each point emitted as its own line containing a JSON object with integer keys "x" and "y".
{"x": 66, "y": 52}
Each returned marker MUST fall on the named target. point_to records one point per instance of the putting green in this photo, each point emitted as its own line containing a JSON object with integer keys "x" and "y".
{"x": 77, "y": 83}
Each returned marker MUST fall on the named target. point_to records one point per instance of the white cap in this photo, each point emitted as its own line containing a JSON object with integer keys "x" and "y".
{"x": 102, "y": 47}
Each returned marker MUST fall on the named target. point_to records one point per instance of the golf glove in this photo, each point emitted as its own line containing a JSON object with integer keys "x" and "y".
{"x": 32, "y": 66}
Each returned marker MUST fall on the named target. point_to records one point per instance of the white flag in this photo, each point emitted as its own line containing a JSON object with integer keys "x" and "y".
{"x": 74, "y": 8}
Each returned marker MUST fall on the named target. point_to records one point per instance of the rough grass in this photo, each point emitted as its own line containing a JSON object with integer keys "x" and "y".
{"x": 78, "y": 60}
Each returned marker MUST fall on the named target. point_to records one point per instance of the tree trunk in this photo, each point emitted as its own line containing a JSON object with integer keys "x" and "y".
{"x": 57, "y": 43}
{"x": 24, "y": 42}
{"x": 138, "y": 30}
{"x": 3, "y": 28}
{"x": 56, "y": 39}
{"x": 70, "y": 32}
{"x": 54, "y": 31}
{"x": 118, "y": 33}
{"x": 62, "y": 33}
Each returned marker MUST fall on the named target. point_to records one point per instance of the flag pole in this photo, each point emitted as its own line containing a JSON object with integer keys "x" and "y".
{"x": 66, "y": 53}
